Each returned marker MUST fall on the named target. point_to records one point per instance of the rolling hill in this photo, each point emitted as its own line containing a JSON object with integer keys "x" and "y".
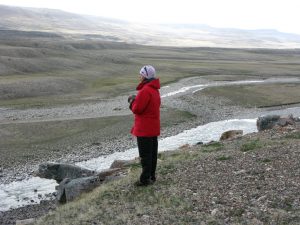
{"x": 70, "y": 25}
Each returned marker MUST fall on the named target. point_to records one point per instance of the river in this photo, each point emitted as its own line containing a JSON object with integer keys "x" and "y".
{"x": 34, "y": 189}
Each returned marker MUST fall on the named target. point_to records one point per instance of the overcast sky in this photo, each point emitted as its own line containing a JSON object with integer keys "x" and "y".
{"x": 282, "y": 15}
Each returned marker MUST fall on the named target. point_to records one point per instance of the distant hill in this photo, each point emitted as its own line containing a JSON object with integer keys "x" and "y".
{"x": 76, "y": 26}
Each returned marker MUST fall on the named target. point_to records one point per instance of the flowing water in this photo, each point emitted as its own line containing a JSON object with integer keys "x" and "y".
{"x": 199, "y": 87}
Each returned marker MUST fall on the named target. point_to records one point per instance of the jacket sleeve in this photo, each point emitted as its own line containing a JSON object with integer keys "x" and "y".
{"x": 141, "y": 102}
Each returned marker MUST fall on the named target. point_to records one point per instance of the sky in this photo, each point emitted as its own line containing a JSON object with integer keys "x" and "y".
{"x": 281, "y": 15}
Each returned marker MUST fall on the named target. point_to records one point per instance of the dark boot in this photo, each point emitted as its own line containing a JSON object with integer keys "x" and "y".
{"x": 141, "y": 184}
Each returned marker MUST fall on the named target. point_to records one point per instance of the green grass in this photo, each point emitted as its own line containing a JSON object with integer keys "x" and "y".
{"x": 237, "y": 212}
{"x": 40, "y": 102}
{"x": 166, "y": 155}
{"x": 133, "y": 166}
{"x": 295, "y": 135}
{"x": 261, "y": 95}
{"x": 251, "y": 145}
{"x": 167, "y": 169}
{"x": 223, "y": 158}
{"x": 109, "y": 69}
{"x": 213, "y": 147}
{"x": 266, "y": 160}
{"x": 118, "y": 202}
{"x": 176, "y": 198}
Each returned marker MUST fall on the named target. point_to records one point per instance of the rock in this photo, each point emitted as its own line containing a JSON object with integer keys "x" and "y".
{"x": 109, "y": 172}
{"x": 262, "y": 198}
{"x": 240, "y": 172}
{"x": 122, "y": 163}
{"x": 59, "y": 171}
{"x": 231, "y": 134}
{"x": 282, "y": 122}
{"x": 69, "y": 189}
{"x": 185, "y": 146}
{"x": 214, "y": 212}
{"x": 270, "y": 121}
{"x": 25, "y": 222}
{"x": 214, "y": 200}
{"x": 145, "y": 217}
{"x": 266, "y": 122}
{"x": 255, "y": 221}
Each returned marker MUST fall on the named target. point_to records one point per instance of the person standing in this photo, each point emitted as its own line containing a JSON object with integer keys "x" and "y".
{"x": 146, "y": 109}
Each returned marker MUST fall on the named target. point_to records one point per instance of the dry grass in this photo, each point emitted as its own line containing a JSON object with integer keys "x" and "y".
{"x": 261, "y": 95}
{"x": 120, "y": 202}
{"x": 196, "y": 187}
{"x": 80, "y": 69}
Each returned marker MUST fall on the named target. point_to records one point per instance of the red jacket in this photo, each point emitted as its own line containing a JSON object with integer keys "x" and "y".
{"x": 145, "y": 108}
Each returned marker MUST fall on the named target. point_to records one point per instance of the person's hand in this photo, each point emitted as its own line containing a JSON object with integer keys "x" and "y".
{"x": 131, "y": 98}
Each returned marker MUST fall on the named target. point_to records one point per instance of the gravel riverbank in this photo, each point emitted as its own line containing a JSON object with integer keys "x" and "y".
{"x": 107, "y": 144}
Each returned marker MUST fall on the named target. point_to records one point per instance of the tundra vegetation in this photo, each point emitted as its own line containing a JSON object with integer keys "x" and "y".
{"x": 235, "y": 181}
{"x": 40, "y": 71}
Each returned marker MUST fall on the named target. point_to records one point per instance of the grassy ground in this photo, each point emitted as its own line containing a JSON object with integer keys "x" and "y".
{"x": 261, "y": 95}
{"x": 42, "y": 72}
{"x": 234, "y": 182}
{"x": 27, "y": 142}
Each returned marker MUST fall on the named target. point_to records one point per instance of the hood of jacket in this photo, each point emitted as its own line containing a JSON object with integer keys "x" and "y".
{"x": 154, "y": 83}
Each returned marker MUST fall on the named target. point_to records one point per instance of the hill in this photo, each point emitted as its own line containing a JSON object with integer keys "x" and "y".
{"x": 75, "y": 26}
{"x": 76, "y": 70}
{"x": 250, "y": 180}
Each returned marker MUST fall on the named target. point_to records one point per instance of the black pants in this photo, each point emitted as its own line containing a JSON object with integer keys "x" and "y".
{"x": 148, "y": 147}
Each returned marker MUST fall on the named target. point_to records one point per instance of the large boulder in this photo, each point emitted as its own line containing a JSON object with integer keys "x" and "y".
{"x": 59, "y": 172}
{"x": 271, "y": 121}
{"x": 74, "y": 180}
{"x": 231, "y": 134}
{"x": 123, "y": 163}
{"x": 70, "y": 189}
